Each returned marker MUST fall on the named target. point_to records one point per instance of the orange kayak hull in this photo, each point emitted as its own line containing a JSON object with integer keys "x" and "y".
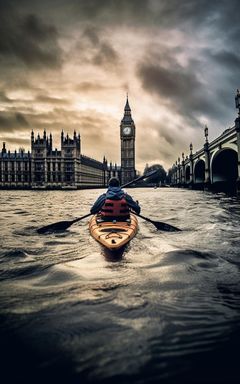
{"x": 113, "y": 235}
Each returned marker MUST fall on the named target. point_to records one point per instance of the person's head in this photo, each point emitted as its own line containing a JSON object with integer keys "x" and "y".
{"x": 114, "y": 182}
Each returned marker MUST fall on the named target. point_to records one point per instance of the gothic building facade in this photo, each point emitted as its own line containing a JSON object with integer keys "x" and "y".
{"x": 45, "y": 167}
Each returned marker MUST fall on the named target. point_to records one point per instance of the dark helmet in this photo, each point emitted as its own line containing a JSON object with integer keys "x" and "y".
{"x": 114, "y": 182}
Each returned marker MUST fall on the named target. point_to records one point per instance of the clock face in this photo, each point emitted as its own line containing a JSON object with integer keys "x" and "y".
{"x": 127, "y": 130}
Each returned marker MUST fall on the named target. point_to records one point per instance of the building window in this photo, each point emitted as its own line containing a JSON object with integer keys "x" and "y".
{"x": 38, "y": 167}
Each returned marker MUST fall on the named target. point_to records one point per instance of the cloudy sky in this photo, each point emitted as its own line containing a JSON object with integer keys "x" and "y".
{"x": 67, "y": 64}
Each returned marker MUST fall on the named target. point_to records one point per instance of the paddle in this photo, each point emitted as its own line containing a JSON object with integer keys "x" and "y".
{"x": 151, "y": 173}
{"x": 159, "y": 224}
{"x": 63, "y": 225}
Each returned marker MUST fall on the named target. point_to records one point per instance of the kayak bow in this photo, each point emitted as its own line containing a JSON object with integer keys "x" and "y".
{"x": 113, "y": 234}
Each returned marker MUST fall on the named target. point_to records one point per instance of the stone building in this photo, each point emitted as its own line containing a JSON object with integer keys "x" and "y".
{"x": 45, "y": 167}
{"x": 48, "y": 168}
{"x": 15, "y": 168}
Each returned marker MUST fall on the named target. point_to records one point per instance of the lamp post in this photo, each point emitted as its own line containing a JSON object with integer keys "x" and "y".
{"x": 183, "y": 171}
{"x": 176, "y": 173}
{"x": 191, "y": 166}
{"x": 191, "y": 148}
{"x": 206, "y": 133}
{"x": 179, "y": 173}
{"x": 207, "y": 160}
{"x": 173, "y": 175}
{"x": 237, "y": 127}
{"x": 237, "y": 101}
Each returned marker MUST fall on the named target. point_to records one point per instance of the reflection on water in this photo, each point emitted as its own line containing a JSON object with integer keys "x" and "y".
{"x": 164, "y": 308}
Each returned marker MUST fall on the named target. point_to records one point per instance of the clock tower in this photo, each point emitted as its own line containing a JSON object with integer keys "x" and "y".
{"x": 127, "y": 135}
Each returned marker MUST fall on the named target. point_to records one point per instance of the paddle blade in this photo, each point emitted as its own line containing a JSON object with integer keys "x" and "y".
{"x": 159, "y": 224}
{"x": 165, "y": 227}
{"x": 60, "y": 226}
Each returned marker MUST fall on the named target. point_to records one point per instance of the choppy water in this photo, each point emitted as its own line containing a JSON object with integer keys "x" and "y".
{"x": 168, "y": 309}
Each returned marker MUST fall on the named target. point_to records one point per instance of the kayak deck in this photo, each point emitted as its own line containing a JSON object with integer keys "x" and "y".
{"x": 113, "y": 234}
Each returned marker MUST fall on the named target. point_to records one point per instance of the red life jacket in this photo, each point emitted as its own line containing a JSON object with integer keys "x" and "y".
{"x": 115, "y": 208}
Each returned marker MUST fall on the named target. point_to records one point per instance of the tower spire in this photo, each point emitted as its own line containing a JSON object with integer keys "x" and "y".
{"x": 127, "y": 118}
{"x": 127, "y": 108}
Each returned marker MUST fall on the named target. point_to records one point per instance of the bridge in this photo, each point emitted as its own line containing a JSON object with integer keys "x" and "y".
{"x": 214, "y": 167}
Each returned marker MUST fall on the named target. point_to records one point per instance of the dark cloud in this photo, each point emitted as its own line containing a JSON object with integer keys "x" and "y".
{"x": 156, "y": 143}
{"x": 13, "y": 79}
{"x": 100, "y": 51}
{"x": 51, "y": 100}
{"x": 94, "y": 128}
{"x": 16, "y": 141}
{"x": 87, "y": 86}
{"x": 38, "y": 31}
{"x": 12, "y": 122}
{"x": 4, "y": 98}
{"x": 21, "y": 120}
{"x": 168, "y": 135}
{"x": 112, "y": 11}
{"x": 188, "y": 64}
{"x": 164, "y": 13}
{"x": 180, "y": 87}
{"x": 89, "y": 122}
{"x": 229, "y": 60}
{"x": 91, "y": 33}
{"x": 29, "y": 40}
{"x": 106, "y": 55}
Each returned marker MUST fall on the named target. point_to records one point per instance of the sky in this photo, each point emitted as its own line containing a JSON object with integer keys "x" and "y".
{"x": 69, "y": 65}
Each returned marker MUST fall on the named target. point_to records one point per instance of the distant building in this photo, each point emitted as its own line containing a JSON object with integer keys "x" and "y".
{"x": 48, "y": 168}
{"x": 15, "y": 168}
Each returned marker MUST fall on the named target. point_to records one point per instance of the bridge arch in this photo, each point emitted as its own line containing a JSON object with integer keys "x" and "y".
{"x": 199, "y": 172}
{"x": 187, "y": 173}
{"x": 224, "y": 170}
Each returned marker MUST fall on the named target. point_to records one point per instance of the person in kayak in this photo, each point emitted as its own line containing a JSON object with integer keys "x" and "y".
{"x": 115, "y": 204}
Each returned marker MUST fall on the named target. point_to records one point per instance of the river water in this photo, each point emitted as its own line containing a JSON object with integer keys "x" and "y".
{"x": 167, "y": 309}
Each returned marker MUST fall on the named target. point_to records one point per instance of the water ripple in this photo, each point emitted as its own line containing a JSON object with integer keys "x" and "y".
{"x": 164, "y": 308}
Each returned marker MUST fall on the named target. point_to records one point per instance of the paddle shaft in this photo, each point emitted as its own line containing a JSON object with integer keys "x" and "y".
{"x": 139, "y": 178}
{"x": 81, "y": 218}
{"x": 159, "y": 224}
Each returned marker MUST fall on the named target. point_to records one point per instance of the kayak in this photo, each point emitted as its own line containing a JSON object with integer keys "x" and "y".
{"x": 113, "y": 234}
